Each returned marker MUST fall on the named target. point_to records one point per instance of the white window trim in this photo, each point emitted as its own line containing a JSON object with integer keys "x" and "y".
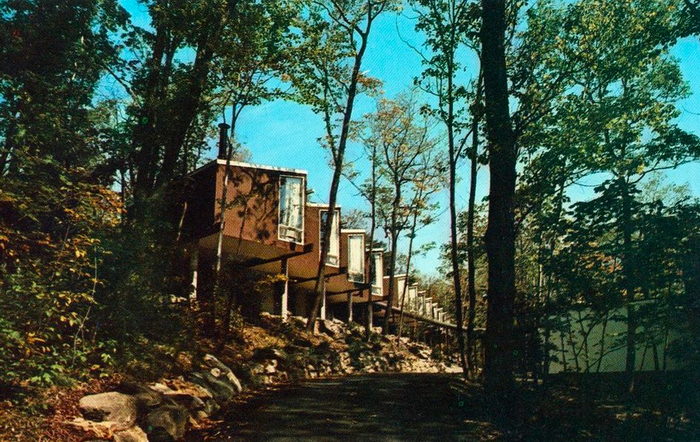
{"x": 362, "y": 258}
{"x": 320, "y": 236}
{"x": 378, "y": 282}
{"x": 279, "y": 209}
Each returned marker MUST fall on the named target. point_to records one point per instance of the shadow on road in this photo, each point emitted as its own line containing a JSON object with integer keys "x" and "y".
{"x": 386, "y": 407}
{"x": 442, "y": 407}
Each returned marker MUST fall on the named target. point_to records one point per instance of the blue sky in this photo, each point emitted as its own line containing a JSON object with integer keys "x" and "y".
{"x": 285, "y": 134}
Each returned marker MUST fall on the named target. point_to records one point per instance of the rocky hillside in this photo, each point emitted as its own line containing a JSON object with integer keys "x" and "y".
{"x": 270, "y": 352}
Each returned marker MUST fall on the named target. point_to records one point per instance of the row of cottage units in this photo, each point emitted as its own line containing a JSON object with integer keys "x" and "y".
{"x": 271, "y": 229}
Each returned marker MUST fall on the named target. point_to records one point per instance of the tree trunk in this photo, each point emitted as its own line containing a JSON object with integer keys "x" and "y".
{"x": 454, "y": 257}
{"x": 145, "y": 135}
{"x": 373, "y": 226}
{"x": 500, "y": 234}
{"x": 392, "y": 277}
{"x": 223, "y": 141}
{"x": 188, "y": 106}
{"x": 471, "y": 258}
{"x": 338, "y": 165}
{"x": 628, "y": 278}
{"x": 602, "y": 343}
{"x": 408, "y": 264}
{"x": 226, "y": 147}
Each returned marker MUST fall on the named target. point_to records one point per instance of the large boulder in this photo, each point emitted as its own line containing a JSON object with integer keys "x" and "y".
{"x": 146, "y": 397}
{"x": 221, "y": 390}
{"x": 223, "y": 372}
{"x": 191, "y": 396}
{"x": 117, "y": 408}
{"x": 166, "y": 423}
{"x": 178, "y": 387}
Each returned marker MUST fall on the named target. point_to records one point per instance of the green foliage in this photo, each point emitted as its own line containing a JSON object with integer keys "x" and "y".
{"x": 597, "y": 92}
{"x": 51, "y": 228}
{"x": 46, "y": 84}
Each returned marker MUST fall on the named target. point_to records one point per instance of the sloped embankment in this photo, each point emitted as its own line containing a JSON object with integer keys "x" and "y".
{"x": 270, "y": 352}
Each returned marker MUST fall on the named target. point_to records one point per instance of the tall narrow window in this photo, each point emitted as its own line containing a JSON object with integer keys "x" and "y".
{"x": 356, "y": 258}
{"x": 412, "y": 298}
{"x": 291, "y": 224}
{"x": 400, "y": 284}
{"x": 378, "y": 273}
{"x": 333, "y": 257}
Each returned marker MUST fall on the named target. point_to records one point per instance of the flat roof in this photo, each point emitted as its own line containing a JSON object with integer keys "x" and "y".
{"x": 261, "y": 166}
{"x": 323, "y": 205}
{"x": 352, "y": 231}
{"x": 402, "y": 275}
{"x": 250, "y": 166}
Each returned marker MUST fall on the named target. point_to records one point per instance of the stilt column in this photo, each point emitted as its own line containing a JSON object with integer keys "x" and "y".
{"x": 284, "y": 289}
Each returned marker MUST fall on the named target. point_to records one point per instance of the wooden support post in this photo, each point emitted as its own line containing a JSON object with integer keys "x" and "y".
{"x": 284, "y": 302}
{"x": 323, "y": 303}
{"x": 349, "y": 307}
{"x": 194, "y": 267}
{"x": 370, "y": 312}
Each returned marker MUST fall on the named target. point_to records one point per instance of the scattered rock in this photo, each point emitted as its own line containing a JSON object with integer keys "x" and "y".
{"x": 163, "y": 409}
{"x": 297, "y": 321}
{"x": 133, "y": 434}
{"x": 270, "y": 353}
{"x": 226, "y": 372}
{"x": 183, "y": 362}
{"x": 191, "y": 399}
{"x": 166, "y": 423}
{"x": 161, "y": 388}
{"x": 98, "y": 430}
{"x": 221, "y": 390}
{"x": 146, "y": 398}
{"x": 196, "y": 399}
{"x": 332, "y": 328}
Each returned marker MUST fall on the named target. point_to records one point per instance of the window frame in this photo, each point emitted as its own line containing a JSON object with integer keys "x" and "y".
{"x": 336, "y": 222}
{"x": 376, "y": 280}
{"x": 302, "y": 204}
{"x": 351, "y": 278}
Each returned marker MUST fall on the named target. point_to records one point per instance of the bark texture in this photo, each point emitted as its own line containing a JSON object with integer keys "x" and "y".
{"x": 500, "y": 234}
